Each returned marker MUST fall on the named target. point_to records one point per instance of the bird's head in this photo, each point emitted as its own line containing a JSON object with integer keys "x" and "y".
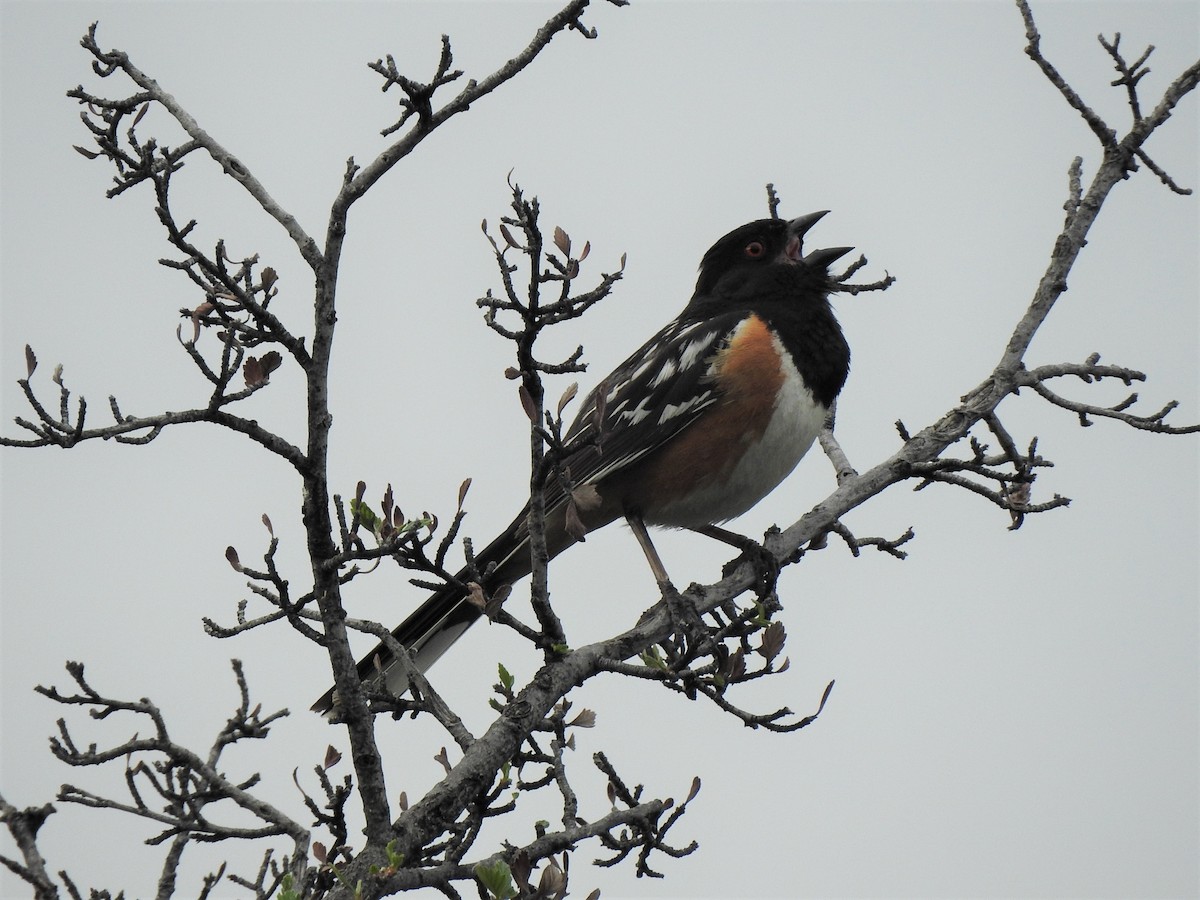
{"x": 765, "y": 258}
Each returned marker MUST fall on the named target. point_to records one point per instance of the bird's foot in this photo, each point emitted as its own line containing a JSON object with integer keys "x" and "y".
{"x": 766, "y": 565}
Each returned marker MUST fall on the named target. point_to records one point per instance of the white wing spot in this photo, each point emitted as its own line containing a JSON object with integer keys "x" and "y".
{"x": 667, "y": 372}
{"x": 670, "y": 411}
{"x": 692, "y": 351}
{"x": 635, "y": 415}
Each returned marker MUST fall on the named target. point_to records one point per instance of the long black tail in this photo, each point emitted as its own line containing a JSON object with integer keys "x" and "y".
{"x": 443, "y": 618}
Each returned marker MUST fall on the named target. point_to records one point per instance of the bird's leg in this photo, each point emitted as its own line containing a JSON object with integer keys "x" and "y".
{"x": 688, "y": 623}
{"x": 638, "y": 527}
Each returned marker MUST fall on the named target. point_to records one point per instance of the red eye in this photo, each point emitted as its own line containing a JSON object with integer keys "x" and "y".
{"x": 755, "y": 250}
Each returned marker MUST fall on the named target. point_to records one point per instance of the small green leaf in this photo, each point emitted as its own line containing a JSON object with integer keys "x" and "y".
{"x": 760, "y": 614}
{"x": 653, "y": 659}
{"x": 286, "y": 889}
{"x": 365, "y": 515}
{"x": 506, "y": 677}
{"x": 395, "y": 860}
{"x": 496, "y": 879}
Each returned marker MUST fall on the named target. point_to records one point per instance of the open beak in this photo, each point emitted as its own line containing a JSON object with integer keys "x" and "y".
{"x": 817, "y": 259}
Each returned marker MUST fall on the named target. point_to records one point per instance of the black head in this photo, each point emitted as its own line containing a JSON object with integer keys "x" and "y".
{"x": 764, "y": 261}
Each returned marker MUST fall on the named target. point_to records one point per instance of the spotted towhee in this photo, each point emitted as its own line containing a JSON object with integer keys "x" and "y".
{"x": 694, "y": 428}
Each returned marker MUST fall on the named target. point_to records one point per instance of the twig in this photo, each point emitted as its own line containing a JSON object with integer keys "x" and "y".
{"x": 23, "y": 825}
{"x": 112, "y": 60}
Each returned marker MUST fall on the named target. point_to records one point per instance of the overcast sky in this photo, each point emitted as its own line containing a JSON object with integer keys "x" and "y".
{"x": 1015, "y": 712}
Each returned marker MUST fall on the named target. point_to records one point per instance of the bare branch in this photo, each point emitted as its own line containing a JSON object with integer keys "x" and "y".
{"x": 1162, "y": 175}
{"x": 1106, "y": 136}
{"x": 23, "y": 825}
{"x": 60, "y": 432}
{"x": 1091, "y": 371}
{"x": 841, "y": 464}
{"x": 109, "y": 62}
{"x": 1130, "y": 74}
{"x": 883, "y": 545}
{"x": 1152, "y": 422}
{"x": 428, "y": 119}
{"x": 183, "y": 781}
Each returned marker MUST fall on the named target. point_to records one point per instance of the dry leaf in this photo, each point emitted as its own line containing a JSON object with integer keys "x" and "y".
{"x": 527, "y": 403}
{"x": 586, "y": 497}
{"x": 552, "y": 882}
{"x": 573, "y": 523}
{"x": 475, "y": 595}
{"x": 567, "y": 396}
{"x": 585, "y": 719}
{"x": 253, "y": 373}
{"x": 773, "y": 639}
{"x": 562, "y": 241}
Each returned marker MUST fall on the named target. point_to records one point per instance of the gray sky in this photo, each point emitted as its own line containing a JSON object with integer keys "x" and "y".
{"x": 1015, "y": 713}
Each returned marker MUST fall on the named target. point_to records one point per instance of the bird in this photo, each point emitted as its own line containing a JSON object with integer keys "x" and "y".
{"x": 700, "y": 423}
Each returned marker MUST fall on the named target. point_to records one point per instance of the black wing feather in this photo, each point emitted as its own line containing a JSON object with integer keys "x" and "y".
{"x": 647, "y": 400}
